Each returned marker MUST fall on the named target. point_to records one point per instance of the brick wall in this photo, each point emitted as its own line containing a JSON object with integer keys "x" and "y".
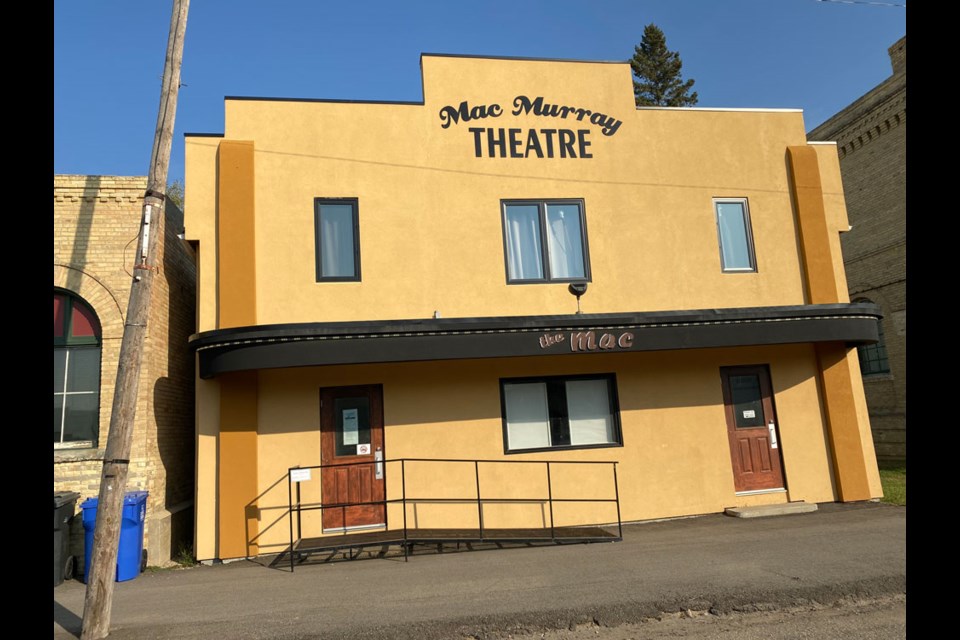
{"x": 96, "y": 222}
{"x": 898, "y": 55}
{"x": 871, "y": 136}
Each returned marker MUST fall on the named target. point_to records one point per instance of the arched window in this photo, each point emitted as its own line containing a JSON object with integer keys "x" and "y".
{"x": 873, "y": 357}
{"x": 76, "y": 372}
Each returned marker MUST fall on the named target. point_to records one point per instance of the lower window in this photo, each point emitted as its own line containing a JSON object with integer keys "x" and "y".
{"x": 560, "y": 412}
{"x": 76, "y": 396}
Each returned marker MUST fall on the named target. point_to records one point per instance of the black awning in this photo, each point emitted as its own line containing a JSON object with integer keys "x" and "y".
{"x": 331, "y": 343}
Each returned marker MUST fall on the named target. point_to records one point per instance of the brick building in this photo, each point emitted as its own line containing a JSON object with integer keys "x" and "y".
{"x": 96, "y": 222}
{"x": 871, "y": 137}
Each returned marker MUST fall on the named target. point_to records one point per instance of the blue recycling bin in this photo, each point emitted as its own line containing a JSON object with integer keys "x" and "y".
{"x": 130, "y": 554}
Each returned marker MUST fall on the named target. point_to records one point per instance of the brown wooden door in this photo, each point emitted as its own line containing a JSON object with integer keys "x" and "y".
{"x": 351, "y": 431}
{"x": 752, "y": 427}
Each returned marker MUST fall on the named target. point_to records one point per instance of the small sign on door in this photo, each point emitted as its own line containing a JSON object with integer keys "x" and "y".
{"x": 363, "y": 449}
{"x": 750, "y": 413}
{"x": 350, "y": 427}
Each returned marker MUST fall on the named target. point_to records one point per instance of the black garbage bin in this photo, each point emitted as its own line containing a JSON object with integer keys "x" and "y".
{"x": 64, "y": 564}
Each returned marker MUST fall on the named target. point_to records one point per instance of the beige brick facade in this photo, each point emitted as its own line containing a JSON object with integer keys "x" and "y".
{"x": 871, "y": 137}
{"x": 96, "y": 222}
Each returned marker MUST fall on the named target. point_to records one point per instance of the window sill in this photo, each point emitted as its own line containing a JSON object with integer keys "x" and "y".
{"x": 77, "y": 455}
{"x": 552, "y": 281}
{"x": 576, "y": 447}
{"x": 877, "y": 377}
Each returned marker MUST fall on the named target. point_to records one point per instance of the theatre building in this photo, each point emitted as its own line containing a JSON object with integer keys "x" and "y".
{"x": 522, "y": 268}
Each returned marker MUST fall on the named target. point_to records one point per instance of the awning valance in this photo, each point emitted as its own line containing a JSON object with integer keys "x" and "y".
{"x": 318, "y": 344}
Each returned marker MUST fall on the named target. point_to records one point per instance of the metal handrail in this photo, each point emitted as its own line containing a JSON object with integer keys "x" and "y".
{"x": 299, "y": 506}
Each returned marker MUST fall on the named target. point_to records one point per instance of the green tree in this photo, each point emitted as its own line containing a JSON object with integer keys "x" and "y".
{"x": 175, "y": 193}
{"x": 656, "y": 69}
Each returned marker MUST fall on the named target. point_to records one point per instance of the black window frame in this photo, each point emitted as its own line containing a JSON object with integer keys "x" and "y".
{"x": 558, "y": 403}
{"x": 874, "y": 359}
{"x": 355, "y": 206}
{"x": 541, "y": 205}
{"x": 748, "y": 226}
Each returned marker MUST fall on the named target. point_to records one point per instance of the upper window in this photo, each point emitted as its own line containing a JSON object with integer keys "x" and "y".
{"x": 337, "y": 229}
{"x": 546, "y": 241}
{"x": 565, "y": 412}
{"x": 76, "y": 372}
{"x": 873, "y": 357}
{"x": 733, "y": 231}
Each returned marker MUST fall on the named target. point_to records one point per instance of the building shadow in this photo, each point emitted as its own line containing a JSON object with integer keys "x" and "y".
{"x": 173, "y": 394}
{"x": 81, "y": 239}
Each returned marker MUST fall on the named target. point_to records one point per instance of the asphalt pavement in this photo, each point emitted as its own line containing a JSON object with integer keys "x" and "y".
{"x": 710, "y": 563}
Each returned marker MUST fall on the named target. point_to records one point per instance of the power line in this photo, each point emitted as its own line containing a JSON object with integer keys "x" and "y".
{"x": 879, "y": 4}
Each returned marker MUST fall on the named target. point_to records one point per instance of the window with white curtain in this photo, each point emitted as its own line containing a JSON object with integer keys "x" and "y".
{"x": 568, "y": 412}
{"x": 545, "y": 240}
{"x": 337, "y": 232}
{"x": 735, "y": 236}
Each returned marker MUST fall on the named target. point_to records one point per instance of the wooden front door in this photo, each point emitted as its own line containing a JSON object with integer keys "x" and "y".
{"x": 351, "y": 431}
{"x": 752, "y": 427}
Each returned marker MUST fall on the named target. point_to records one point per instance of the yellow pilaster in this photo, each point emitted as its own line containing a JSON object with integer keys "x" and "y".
{"x": 236, "y": 253}
{"x": 238, "y": 516}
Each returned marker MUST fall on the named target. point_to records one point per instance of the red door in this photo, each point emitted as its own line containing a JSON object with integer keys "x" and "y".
{"x": 752, "y": 427}
{"x": 351, "y": 431}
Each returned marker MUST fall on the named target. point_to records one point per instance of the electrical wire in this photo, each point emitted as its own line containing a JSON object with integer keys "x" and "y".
{"x": 878, "y": 4}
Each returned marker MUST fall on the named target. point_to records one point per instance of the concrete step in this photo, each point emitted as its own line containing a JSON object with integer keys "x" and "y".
{"x": 767, "y": 510}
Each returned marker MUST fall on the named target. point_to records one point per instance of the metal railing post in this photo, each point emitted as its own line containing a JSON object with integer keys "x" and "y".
{"x": 553, "y": 535}
{"x": 616, "y": 494}
{"x": 386, "y": 494}
{"x": 476, "y": 470}
{"x": 299, "y": 520}
{"x": 290, "y": 504}
{"x": 403, "y": 501}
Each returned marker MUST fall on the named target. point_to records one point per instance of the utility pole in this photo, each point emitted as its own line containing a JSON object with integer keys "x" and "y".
{"x": 98, "y": 602}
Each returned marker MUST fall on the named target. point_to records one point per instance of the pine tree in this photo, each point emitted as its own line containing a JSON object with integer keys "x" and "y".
{"x": 657, "y": 71}
{"x": 175, "y": 193}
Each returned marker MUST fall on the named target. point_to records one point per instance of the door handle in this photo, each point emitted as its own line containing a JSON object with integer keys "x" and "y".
{"x": 773, "y": 435}
{"x": 378, "y": 456}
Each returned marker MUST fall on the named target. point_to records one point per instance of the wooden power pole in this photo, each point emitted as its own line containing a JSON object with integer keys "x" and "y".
{"x": 98, "y": 602}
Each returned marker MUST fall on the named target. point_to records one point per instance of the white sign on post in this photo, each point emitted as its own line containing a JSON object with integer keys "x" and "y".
{"x": 299, "y": 475}
{"x": 351, "y": 433}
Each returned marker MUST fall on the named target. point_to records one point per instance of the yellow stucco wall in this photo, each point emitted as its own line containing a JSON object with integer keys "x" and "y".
{"x": 430, "y": 210}
{"x": 847, "y": 423}
{"x": 200, "y": 189}
{"x": 237, "y": 486}
{"x": 835, "y": 209}
{"x": 431, "y": 240}
{"x": 205, "y": 497}
{"x": 675, "y": 459}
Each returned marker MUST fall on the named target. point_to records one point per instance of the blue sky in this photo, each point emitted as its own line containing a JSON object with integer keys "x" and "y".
{"x": 108, "y": 56}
